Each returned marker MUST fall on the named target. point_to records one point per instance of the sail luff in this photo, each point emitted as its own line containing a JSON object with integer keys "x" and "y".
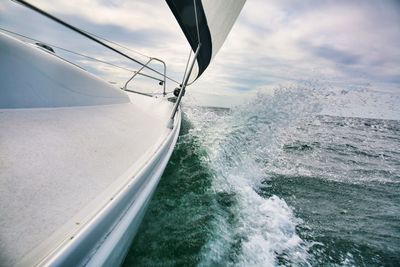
{"x": 215, "y": 20}
{"x": 184, "y": 13}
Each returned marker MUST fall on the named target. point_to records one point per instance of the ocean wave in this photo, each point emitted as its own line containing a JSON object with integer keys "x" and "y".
{"x": 250, "y": 229}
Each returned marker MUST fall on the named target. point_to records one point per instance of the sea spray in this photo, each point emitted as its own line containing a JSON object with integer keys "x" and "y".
{"x": 249, "y": 229}
{"x": 273, "y": 183}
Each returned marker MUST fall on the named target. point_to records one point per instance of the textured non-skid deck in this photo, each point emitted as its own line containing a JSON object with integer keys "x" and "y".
{"x": 55, "y": 162}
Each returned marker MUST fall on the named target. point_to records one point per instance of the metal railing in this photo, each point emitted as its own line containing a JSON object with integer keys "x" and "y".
{"x": 164, "y": 82}
{"x": 170, "y": 123}
{"x": 48, "y": 46}
{"x": 97, "y": 40}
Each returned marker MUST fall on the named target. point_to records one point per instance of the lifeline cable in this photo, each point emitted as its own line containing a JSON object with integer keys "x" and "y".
{"x": 69, "y": 26}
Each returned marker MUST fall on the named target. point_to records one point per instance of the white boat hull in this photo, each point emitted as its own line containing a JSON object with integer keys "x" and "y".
{"x": 106, "y": 239}
{"x": 79, "y": 162}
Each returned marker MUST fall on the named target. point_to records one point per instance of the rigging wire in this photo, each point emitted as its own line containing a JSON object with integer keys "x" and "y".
{"x": 87, "y": 35}
{"x": 117, "y": 44}
{"x": 92, "y": 58}
{"x": 198, "y": 39}
{"x": 197, "y": 21}
{"x": 187, "y": 64}
{"x": 82, "y": 55}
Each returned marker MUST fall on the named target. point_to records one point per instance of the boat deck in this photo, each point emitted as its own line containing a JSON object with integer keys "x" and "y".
{"x": 59, "y": 165}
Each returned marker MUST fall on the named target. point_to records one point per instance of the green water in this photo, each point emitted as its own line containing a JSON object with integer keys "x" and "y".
{"x": 270, "y": 186}
{"x": 177, "y": 222}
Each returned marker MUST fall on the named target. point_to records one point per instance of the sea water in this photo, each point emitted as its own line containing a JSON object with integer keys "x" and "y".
{"x": 274, "y": 182}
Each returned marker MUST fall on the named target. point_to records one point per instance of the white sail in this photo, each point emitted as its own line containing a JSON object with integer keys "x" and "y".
{"x": 207, "y": 22}
{"x": 221, "y": 15}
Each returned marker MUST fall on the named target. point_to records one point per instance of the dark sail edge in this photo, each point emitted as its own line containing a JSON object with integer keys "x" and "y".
{"x": 184, "y": 13}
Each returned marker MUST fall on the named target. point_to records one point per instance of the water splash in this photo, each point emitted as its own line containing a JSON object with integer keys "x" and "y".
{"x": 239, "y": 181}
{"x": 249, "y": 229}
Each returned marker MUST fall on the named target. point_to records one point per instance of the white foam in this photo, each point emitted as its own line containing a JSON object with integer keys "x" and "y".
{"x": 254, "y": 230}
{"x": 245, "y": 146}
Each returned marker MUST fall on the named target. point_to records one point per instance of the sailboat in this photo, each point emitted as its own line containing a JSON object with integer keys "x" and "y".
{"x": 81, "y": 158}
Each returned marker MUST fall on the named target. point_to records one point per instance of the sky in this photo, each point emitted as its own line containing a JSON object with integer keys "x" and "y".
{"x": 341, "y": 44}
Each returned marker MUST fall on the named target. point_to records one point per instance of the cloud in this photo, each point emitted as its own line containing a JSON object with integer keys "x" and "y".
{"x": 135, "y": 24}
{"x": 335, "y": 55}
{"x": 273, "y": 41}
{"x": 277, "y": 41}
{"x": 141, "y": 15}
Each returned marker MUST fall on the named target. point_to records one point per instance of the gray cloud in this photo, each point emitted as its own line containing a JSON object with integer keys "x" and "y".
{"x": 273, "y": 41}
{"x": 335, "y": 55}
